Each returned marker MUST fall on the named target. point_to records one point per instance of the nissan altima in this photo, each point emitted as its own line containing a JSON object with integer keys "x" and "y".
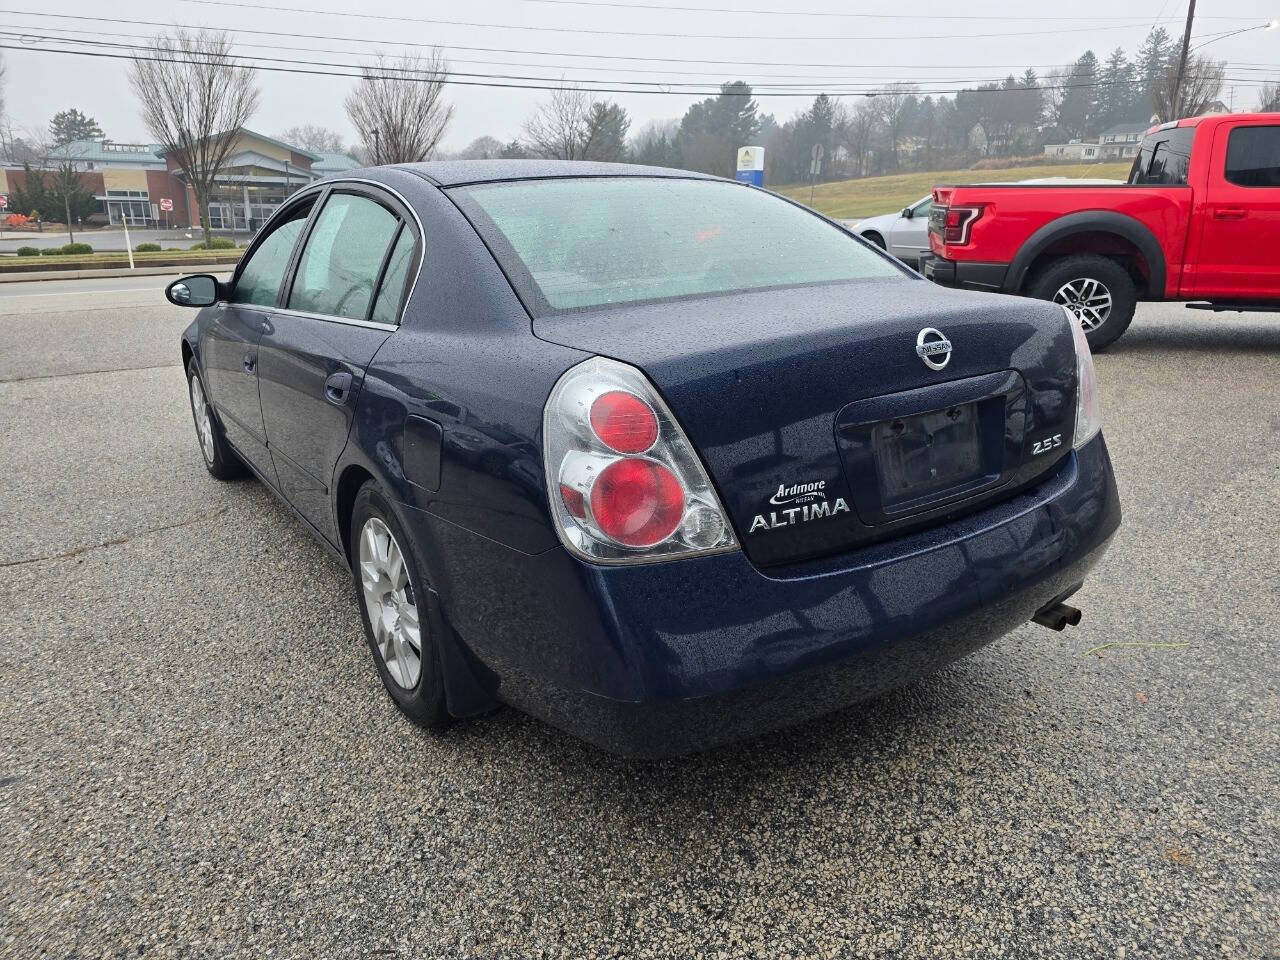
{"x": 662, "y": 459}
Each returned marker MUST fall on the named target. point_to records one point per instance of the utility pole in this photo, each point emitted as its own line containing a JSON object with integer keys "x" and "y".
{"x": 1175, "y": 99}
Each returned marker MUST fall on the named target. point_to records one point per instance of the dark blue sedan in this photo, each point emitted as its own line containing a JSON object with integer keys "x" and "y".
{"x": 662, "y": 459}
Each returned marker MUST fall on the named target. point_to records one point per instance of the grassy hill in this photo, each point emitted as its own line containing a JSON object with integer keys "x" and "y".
{"x": 851, "y": 199}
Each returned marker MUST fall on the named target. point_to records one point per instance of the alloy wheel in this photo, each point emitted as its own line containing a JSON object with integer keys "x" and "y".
{"x": 1088, "y": 299}
{"x": 204, "y": 420}
{"x": 390, "y": 603}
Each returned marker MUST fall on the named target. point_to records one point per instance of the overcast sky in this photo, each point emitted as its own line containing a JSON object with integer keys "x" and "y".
{"x": 863, "y": 44}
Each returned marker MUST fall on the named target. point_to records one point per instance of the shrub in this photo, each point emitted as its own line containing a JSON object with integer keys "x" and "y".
{"x": 222, "y": 243}
{"x": 147, "y": 248}
{"x": 51, "y": 252}
{"x": 73, "y": 248}
{"x": 18, "y": 220}
{"x": 28, "y": 251}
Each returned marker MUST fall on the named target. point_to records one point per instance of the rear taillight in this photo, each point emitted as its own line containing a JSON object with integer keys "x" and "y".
{"x": 625, "y": 485}
{"x": 1088, "y": 409}
{"x": 958, "y": 222}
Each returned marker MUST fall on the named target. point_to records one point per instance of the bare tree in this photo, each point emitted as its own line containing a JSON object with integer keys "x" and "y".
{"x": 557, "y": 130}
{"x": 893, "y": 107}
{"x": 195, "y": 96}
{"x": 398, "y": 107}
{"x": 311, "y": 137}
{"x": 857, "y": 131}
{"x": 1201, "y": 88}
{"x": 1269, "y": 98}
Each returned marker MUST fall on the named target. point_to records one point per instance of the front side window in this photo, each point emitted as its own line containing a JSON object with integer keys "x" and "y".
{"x": 263, "y": 272}
{"x": 343, "y": 257}
{"x": 584, "y": 242}
{"x": 1253, "y": 157}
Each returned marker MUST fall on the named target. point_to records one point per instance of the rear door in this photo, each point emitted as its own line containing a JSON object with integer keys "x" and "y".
{"x": 909, "y": 237}
{"x": 344, "y": 300}
{"x": 1239, "y": 255}
{"x": 229, "y": 353}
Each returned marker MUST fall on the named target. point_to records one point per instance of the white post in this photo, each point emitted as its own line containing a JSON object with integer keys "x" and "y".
{"x": 124, "y": 216}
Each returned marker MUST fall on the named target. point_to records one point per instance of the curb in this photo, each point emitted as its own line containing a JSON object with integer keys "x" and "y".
{"x": 176, "y": 270}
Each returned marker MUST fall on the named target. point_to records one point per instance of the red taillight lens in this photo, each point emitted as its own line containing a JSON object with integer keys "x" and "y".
{"x": 624, "y": 422}
{"x": 637, "y": 502}
{"x": 573, "y": 501}
{"x": 958, "y": 222}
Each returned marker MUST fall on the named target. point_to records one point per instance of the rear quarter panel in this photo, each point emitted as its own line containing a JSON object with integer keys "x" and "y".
{"x": 1011, "y": 214}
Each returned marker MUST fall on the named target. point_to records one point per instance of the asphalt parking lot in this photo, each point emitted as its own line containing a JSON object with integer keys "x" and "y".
{"x": 197, "y": 759}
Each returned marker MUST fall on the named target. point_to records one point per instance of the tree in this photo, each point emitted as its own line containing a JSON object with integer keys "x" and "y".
{"x": 313, "y": 138}
{"x": 195, "y": 96}
{"x": 1156, "y": 57}
{"x": 398, "y": 107}
{"x": 515, "y": 150}
{"x": 557, "y": 127}
{"x": 1201, "y": 89}
{"x": 70, "y": 125}
{"x": 712, "y": 130}
{"x": 481, "y": 148}
{"x": 32, "y": 196}
{"x": 893, "y": 107}
{"x": 1269, "y": 98}
{"x": 1078, "y": 109}
{"x": 1117, "y": 93}
{"x": 604, "y": 132}
{"x": 655, "y": 144}
{"x": 857, "y": 134}
{"x": 67, "y": 193}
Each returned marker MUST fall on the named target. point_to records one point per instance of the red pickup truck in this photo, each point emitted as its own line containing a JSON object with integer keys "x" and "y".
{"x": 1198, "y": 220}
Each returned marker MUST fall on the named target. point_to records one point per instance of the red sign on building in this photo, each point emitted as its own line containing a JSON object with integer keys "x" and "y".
{"x": 166, "y": 204}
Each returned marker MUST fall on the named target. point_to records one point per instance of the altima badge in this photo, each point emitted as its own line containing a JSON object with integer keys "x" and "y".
{"x": 801, "y": 502}
{"x": 933, "y": 347}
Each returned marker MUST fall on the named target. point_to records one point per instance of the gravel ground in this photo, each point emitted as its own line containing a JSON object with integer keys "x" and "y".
{"x": 196, "y": 759}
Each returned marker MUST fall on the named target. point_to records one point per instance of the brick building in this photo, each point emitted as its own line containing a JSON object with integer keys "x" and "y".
{"x": 130, "y": 179}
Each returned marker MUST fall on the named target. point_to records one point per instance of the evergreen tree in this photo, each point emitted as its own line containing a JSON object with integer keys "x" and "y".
{"x": 1155, "y": 58}
{"x": 69, "y": 125}
{"x": 1116, "y": 92}
{"x": 604, "y": 134}
{"x": 1078, "y": 113}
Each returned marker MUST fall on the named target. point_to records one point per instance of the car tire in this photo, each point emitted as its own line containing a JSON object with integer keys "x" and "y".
{"x": 875, "y": 238}
{"x": 219, "y": 459}
{"x": 395, "y": 607}
{"x": 1096, "y": 289}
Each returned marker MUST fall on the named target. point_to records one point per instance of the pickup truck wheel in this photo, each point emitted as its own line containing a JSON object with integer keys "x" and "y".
{"x": 1098, "y": 291}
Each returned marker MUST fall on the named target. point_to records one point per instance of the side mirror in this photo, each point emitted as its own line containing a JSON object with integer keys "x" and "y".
{"x": 907, "y": 213}
{"x": 195, "y": 291}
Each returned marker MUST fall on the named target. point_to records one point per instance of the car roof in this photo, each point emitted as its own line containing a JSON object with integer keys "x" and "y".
{"x": 452, "y": 173}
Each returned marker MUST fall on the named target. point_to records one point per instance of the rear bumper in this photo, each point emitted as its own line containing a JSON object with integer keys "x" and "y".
{"x": 675, "y": 657}
{"x": 964, "y": 273}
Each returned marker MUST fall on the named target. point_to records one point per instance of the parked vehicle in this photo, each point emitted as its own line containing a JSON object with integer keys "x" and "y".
{"x": 1198, "y": 220}
{"x": 904, "y": 234}
{"x": 662, "y": 459}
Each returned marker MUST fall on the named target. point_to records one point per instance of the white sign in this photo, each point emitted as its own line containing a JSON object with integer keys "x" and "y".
{"x": 4, "y": 201}
{"x": 166, "y": 204}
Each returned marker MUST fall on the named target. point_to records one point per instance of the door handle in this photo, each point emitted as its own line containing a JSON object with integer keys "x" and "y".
{"x": 250, "y": 362}
{"x": 338, "y": 387}
{"x": 1229, "y": 213}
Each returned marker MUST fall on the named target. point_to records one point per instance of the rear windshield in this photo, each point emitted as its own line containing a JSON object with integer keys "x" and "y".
{"x": 579, "y": 243}
{"x": 1164, "y": 158}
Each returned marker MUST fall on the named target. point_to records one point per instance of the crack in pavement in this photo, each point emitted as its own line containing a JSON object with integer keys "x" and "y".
{"x": 115, "y": 542}
{"x": 87, "y": 373}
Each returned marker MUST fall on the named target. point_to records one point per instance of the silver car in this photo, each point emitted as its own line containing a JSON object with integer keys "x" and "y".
{"x": 904, "y": 234}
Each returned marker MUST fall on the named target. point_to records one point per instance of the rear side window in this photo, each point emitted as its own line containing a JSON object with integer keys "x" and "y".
{"x": 386, "y": 309}
{"x": 260, "y": 277}
{"x": 583, "y": 242}
{"x": 1164, "y": 159}
{"x": 1253, "y": 157}
{"x": 343, "y": 257}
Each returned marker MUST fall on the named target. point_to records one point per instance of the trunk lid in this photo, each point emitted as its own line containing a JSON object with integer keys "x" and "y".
{"x": 821, "y": 425}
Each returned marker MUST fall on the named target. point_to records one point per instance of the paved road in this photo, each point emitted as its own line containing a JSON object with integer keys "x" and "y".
{"x": 197, "y": 760}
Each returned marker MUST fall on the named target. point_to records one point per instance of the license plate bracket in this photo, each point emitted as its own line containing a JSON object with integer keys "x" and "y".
{"x": 919, "y": 455}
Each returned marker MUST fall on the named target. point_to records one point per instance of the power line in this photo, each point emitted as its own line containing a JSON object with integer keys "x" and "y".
{"x": 302, "y": 67}
{"x": 438, "y": 22}
{"x": 506, "y": 50}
